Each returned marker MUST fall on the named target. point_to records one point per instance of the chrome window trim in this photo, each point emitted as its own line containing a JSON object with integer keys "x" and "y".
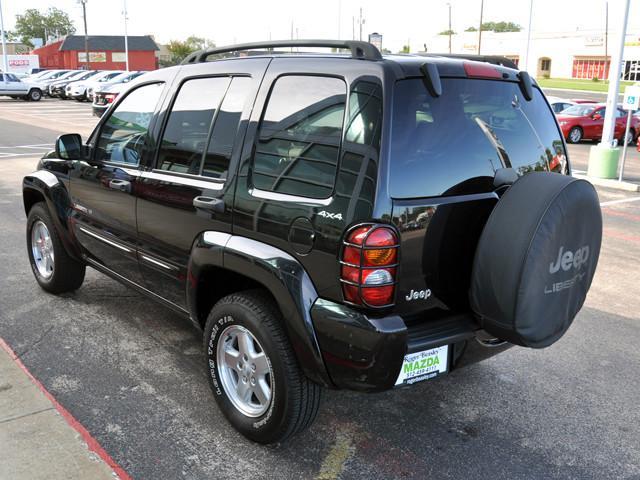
{"x": 284, "y": 197}
{"x": 191, "y": 182}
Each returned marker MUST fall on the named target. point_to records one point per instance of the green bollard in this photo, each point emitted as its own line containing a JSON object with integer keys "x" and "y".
{"x": 603, "y": 162}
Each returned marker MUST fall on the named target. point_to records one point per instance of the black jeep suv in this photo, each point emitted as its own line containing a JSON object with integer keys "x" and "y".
{"x": 340, "y": 220}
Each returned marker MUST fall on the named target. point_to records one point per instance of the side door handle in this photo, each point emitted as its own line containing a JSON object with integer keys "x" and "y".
{"x": 122, "y": 185}
{"x": 209, "y": 203}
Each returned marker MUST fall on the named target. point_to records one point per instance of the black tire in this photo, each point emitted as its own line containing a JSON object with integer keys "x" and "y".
{"x": 575, "y": 135}
{"x": 35, "y": 95}
{"x": 68, "y": 273}
{"x": 295, "y": 399}
{"x": 631, "y": 139}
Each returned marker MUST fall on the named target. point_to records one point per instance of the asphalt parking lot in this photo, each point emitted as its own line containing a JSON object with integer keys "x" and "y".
{"x": 134, "y": 375}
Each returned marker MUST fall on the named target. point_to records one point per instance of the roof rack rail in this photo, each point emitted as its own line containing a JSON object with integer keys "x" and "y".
{"x": 360, "y": 50}
{"x": 493, "y": 59}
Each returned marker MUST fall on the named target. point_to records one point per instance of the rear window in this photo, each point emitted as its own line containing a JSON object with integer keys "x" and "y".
{"x": 454, "y": 143}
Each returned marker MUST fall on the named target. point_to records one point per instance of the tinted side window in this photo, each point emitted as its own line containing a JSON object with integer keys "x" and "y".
{"x": 216, "y": 162}
{"x": 124, "y": 133}
{"x": 187, "y": 130}
{"x": 299, "y": 139}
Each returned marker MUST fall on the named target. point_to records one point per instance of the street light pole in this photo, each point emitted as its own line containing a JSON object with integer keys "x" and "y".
{"x": 449, "y": 5}
{"x": 606, "y": 38}
{"x": 86, "y": 37}
{"x": 614, "y": 83}
{"x": 126, "y": 38}
{"x": 480, "y": 29}
{"x": 5, "y": 62}
{"x": 526, "y": 53}
{"x": 603, "y": 158}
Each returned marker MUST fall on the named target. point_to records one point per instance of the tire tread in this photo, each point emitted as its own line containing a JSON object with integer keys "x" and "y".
{"x": 305, "y": 394}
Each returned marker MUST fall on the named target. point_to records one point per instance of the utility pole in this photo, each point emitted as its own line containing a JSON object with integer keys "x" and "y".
{"x": 526, "y": 53}
{"x": 360, "y": 22}
{"x": 606, "y": 39}
{"x": 480, "y": 29}
{"x": 86, "y": 37}
{"x": 339, "y": 17}
{"x": 5, "y": 62}
{"x": 449, "y": 5}
{"x": 126, "y": 38}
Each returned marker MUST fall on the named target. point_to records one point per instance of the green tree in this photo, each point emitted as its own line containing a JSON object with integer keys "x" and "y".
{"x": 447, "y": 32}
{"x": 180, "y": 49}
{"x": 497, "y": 27}
{"x": 33, "y": 24}
{"x": 405, "y": 49}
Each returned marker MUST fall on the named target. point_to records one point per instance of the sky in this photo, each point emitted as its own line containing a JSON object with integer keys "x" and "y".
{"x": 400, "y": 22}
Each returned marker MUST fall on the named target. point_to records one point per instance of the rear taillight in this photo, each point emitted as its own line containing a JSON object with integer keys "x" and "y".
{"x": 110, "y": 97}
{"x": 369, "y": 261}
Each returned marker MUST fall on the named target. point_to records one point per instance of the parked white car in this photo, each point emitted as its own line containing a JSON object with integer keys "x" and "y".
{"x": 13, "y": 87}
{"x": 105, "y": 96}
{"x": 80, "y": 90}
{"x": 559, "y": 104}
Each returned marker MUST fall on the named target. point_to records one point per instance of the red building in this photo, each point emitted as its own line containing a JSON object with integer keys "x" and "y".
{"x": 106, "y": 52}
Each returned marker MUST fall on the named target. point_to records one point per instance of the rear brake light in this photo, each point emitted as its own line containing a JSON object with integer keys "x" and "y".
{"x": 369, "y": 259}
{"x": 480, "y": 70}
{"x": 110, "y": 97}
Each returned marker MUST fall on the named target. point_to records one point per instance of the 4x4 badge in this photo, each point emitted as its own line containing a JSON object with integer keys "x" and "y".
{"x": 332, "y": 216}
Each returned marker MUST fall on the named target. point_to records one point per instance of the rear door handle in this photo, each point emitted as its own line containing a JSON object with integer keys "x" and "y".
{"x": 209, "y": 203}
{"x": 122, "y": 185}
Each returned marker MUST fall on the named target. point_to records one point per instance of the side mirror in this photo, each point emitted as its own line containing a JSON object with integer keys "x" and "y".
{"x": 596, "y": 116}
{"x": 69, "y": 146}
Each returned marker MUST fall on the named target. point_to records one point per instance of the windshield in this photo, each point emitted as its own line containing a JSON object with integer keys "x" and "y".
{"x": 578, "y": 111}
{"x": 109, "y": 76}
{"x": 454, "y": 143}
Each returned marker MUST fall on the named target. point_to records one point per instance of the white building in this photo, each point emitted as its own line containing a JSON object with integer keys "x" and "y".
{"x": 579, "y": 54}
{"x": 20, "y": 63}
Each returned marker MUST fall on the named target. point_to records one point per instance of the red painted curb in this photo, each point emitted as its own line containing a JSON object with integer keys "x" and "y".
{"x": 91, "y": 442}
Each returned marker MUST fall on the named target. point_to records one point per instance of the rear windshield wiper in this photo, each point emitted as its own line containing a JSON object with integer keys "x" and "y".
{"x": 495, "y": 141}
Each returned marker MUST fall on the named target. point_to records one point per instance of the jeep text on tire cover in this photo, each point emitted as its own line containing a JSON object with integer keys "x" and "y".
{"x": 345, "y": 220}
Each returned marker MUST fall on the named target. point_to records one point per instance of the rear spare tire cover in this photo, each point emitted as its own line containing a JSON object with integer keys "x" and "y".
{"x": 536, "y": 258}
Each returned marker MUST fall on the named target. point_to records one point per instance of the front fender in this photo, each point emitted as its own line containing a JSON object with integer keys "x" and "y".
{"x": 43, "y": 185}
{"x": 281, "y": 274}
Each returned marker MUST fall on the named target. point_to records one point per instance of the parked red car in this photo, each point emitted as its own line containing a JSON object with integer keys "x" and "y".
{"x": 585, "y": 122}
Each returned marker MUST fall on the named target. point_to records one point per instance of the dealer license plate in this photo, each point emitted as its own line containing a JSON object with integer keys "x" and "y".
{"x": 423, "y": 365}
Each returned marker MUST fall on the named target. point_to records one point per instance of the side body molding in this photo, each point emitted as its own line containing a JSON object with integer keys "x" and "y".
{"x": 43, "y": 184}
{"x": 278, "y": 272}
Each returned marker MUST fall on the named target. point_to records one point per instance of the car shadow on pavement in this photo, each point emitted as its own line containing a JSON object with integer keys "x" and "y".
{"x": 134, "y": 375}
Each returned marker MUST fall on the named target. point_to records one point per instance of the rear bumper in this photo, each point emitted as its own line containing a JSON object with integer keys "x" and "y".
{"x": 366, "y": 354}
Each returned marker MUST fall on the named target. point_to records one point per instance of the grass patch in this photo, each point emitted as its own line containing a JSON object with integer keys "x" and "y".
{"x": 579, "y": 84}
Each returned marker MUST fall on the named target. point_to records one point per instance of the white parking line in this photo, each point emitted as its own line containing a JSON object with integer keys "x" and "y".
{"x": 621, "y": 200}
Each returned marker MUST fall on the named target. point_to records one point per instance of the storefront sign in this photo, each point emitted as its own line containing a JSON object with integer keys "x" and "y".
{"x": 94, "y": 57}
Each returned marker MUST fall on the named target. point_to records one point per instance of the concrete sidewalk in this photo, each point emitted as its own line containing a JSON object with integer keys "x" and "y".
{"x": 38, "y": 438}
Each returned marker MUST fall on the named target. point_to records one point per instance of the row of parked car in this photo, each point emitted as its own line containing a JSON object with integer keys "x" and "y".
{"x": 584, "y": 120}
{"x": 98, "y": 86}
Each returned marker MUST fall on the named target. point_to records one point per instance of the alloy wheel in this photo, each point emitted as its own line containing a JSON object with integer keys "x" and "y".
{"x": 245, "y": 371}
{"x": 42, "y": 249}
